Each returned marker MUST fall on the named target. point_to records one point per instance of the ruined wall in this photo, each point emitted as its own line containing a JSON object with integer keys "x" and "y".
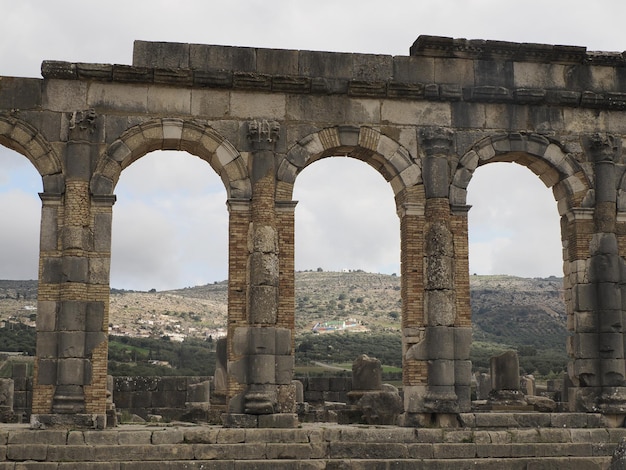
{"x": 258, "y": 117}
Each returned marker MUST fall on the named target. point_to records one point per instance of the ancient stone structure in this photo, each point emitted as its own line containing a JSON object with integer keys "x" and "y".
{"x": 258, "y": 117}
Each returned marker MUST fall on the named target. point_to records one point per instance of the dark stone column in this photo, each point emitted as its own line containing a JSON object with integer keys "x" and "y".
{"x": 607, "y": 383}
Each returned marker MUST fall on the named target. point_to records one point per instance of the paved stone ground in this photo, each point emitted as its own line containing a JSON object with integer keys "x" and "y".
{"x": 566, "y": 441}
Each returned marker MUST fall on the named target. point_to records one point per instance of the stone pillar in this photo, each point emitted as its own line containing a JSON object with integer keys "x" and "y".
{"x": 436, "y": 331}
{"x": 439, "y": 274}
{"x": 70, "y": 381}
{"x": 263, "y": 348}
{"x": 601, "y": 377}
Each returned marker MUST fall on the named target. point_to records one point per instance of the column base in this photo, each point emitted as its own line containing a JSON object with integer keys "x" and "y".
{"x": 275, "y": 420}
{"x": 605, "y": 400}
{"x": 80, "y": 421}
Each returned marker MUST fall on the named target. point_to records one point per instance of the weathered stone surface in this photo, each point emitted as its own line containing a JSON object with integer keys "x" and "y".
{"x": 366, "y": 373}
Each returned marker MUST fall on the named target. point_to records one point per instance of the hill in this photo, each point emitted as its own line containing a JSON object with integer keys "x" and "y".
{"x": 505, "y": 309}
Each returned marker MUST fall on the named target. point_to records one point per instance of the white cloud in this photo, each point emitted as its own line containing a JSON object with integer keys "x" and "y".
{"x": 347, "y": 229}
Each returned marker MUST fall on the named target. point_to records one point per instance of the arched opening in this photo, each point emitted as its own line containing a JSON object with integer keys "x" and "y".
{"x": 515, "y": 256}
{"x": 347, "y": 256}
{"x": 170, "y": 227}
{"x": 170, "y": 233}
{"x": 20, "y": 211}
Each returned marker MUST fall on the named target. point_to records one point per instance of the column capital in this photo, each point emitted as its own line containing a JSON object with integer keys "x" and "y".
{"x": 103, "y": 199}
{"x": 286, "y": 206}
{"x": 238, "y": 205}
{"x": 411, "y": 209}
{"x": 263, "y": 134}
{"x": 436, "y": 140}
{"x": 603, "y": 148}
{"x": 51, "y": 199}
{"x": 460, "y": 209}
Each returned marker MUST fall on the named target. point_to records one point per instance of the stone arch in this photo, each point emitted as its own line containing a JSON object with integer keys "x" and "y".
{"x": 544, "y": 157}
{"x": 173, "y": 134}
{"x": 393, "y": 161}
{"x": 26, "y": 140}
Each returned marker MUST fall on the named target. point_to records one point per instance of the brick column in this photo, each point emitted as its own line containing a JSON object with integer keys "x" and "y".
{"x": 70, "y": 383}
{"x": 444, "y": 249}
{"x": 263, "y": 346}
{"x": 463, "y": 321}
{"x": 414, "y": 364}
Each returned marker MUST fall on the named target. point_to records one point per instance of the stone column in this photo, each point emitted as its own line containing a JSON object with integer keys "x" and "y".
{"x": 439, "y": 274}
{"x": 263, "y": 348}
{"x": 74, "y": 282}
{"x": 603, "y": 293}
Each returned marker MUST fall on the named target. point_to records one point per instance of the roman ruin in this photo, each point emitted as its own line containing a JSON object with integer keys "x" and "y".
{"x": 258, "y": 117}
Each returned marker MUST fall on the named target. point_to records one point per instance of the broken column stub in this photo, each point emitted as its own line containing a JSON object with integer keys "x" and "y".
{"x": 505, "y": 380}
{"x": 366, "y": 377}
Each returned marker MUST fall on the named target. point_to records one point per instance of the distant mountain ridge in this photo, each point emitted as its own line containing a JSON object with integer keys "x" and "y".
{"x": 505, "y": 309}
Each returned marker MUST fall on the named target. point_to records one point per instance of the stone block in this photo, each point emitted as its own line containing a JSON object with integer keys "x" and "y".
{"x": 49, "y": 229}
{"x": 146, "y": 383}
{"x": 504, "y": 371}
{"x": 586, "y": 322}
{"x": 199, "y": 392}
{"x": 462, "y": 343}
{"x": 605, "y": 268}
{"x": 205, "y": 57}
{"x": 65, "y": 95}
{"x": 440, "y": 342}
{"x": 586, "y": 370}
{"x": 584, "y": 297}
{"x": 47, "y": 345}
{"x": 78, "y": 160}
{"x": 27, "y": 452}
{"x": 94, "y": 317}
{"x": 99, "y": 270}
{"x": 441, "y": 373}
{"x": 436, "y": 176}
{"x": 51, "y": 270}
{"x": 611, "y": 345}
{"x": 440, "y": 308}
{"x": 47, "y": 372}
{"x": 366, "y": 373}
{"x": 247, "y": 105}
{"x": 262, "y": 369}
{"x": 72, "y": 371}
{"x": 261, "y": 341}
{"x": 71, "y": 316}
{"x": 284, "y": 369}
{"x": 608, "y": 296}
{"x": 263, "y": 304}
{"x": 46, "y": 315}
{"x": 239, "y": 342}
{"x": 168, "y": 436}
{"x": 71, "y": 343}
{"x": 283, "y": 342}
{"x": 75, "y": 269}
{"x": 585, "y": 345}
{"x": 414, "y": 398}
{"x": 463, "y": 372}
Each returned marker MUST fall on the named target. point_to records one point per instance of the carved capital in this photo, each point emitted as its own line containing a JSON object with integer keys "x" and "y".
{"x": 436, "y": 140}
{"x": 603, "y": 147}
{"x": 263, "y": 131}
{"x": 81, "y": 124}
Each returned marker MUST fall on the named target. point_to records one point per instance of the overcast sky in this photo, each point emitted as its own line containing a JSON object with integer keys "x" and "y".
{"x": 172, "y": 232}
